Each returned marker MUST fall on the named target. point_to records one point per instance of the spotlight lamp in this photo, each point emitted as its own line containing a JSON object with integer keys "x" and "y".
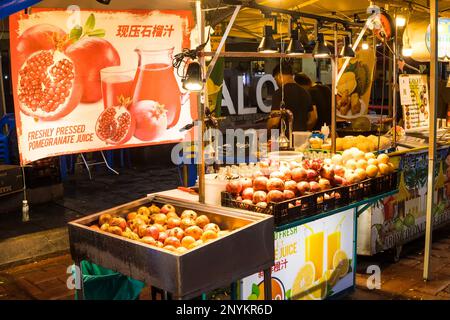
{"x": 268, "y": 44}
{"x": 321, "y": 50}
{"x": 365, "y": 44}
{"x": 192, "y": 80}
{"x": 347, "y": 50}
{"x": 400, "y": 21}
{"x": 295, "y": 45}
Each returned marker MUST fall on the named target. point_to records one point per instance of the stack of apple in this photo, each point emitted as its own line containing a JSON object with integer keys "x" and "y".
{"x": 355, "y": 165}
{"x": 277, "y": 181}
{"x": 162, "y": 227}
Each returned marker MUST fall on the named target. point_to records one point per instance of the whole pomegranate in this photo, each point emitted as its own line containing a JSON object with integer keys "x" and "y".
{"x": 48, "y": 85}
{"x": 36, "y": 38}
{"x": 92, "y": 54}
{"x": 151, "y": 120}
{"x": 116, "y": 124}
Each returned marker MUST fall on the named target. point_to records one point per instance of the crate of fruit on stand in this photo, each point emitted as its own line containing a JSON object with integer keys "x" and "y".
{"x": 182, "y": 247}
{"x": 295, "y": 190}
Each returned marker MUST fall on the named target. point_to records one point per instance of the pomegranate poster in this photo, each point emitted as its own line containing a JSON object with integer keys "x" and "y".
{"x": 97, "y": 80}
{"x": 313, "y": 261}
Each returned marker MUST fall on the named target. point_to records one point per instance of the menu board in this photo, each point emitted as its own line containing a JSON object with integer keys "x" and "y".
{"x": 414, "y": 100}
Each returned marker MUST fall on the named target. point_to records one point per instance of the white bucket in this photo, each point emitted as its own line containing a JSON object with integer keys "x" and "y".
{"x": 213, "y": 189}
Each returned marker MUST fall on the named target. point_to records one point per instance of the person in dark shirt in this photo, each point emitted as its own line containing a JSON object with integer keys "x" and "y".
{"x": 296, "y": 99}
{"x": 321, "y": 99}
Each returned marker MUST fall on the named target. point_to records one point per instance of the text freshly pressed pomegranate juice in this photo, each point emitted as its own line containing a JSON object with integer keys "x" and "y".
{"x": 156, "y": 81}
{"x": 115, "y": 86}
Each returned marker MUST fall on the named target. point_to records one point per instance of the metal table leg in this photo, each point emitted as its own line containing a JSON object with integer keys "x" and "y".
{"x": 268, "y": 284}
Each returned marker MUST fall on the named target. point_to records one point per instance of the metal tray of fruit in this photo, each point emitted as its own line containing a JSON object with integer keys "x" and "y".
{"x": 247, "y": 248}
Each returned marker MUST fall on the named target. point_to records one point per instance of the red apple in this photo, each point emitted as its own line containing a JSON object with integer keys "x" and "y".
{"x": 275, "y": 196}
{"x": 288, "y": 194}
{"x": 327, "y": 172}
{"x": 311, "y": 175}
{"x": 260, "y": 183}
{"x": 275, "y": 184}
{"x": 290, "y": 185}
{"x": 246, "y": 183}
{"x": 162, "y": 236}
{"x": 234, "y": 186}
{"x": 247, "y": 193}
{"x": 259, "y": 196}
{"x": 314, "y": 186}
{"x": 324, "y": 184}
{"x": 299, "y": 174}
{"x": 303, "y": 187}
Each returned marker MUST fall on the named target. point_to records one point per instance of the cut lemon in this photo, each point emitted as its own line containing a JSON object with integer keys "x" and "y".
{"x": 318, "y": 291}
{"x": 341, "y": 263}
{"x": 303, "y": 281}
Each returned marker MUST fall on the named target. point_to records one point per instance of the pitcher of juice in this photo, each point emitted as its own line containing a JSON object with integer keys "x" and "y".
{"x": 155, "y": 80}
{"x": 314, "y": 250}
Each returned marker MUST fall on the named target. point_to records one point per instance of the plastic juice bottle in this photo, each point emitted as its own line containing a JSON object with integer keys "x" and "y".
{"x": 314, "y": 252}
{"x": 334, "y": 244}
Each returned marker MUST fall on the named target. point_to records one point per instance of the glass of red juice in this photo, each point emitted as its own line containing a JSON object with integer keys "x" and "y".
{"x": 116, "y": 81}
{"x": 155, "y": 80}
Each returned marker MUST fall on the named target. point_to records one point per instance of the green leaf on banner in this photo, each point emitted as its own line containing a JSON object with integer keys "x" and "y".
{"x": 255, "y": 289}
{"x": 96, "y": 33}
{"x": 288, "y": 294}
{"x": 90, "y": 23}
{"x": 75, "y": 33}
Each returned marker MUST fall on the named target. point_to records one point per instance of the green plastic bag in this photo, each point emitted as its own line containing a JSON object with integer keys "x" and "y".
{"x": 104, "y": 284}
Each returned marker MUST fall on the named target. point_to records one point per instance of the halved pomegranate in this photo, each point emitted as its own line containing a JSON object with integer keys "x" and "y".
{"x": 48, "y": 87}
{"x": 116, "y": 124}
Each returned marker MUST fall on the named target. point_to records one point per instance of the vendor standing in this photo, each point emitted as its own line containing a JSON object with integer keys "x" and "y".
{"x": 296, "y": 99}
{"x": 321, "y": 99}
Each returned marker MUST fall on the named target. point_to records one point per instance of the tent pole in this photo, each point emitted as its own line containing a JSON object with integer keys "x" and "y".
{"x": 201, "y": 107}
{"x": 334, "y": 64}
{"x": 394, "y": 85}
{"x": 432, "y": 135}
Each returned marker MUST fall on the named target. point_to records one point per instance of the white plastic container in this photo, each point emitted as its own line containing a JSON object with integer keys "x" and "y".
{"x": 213, "y": 189}
{"x": 300, "y": 137}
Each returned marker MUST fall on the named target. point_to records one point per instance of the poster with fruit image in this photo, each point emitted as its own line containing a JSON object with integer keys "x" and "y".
{"x": 313, "y": 261}
{"x": 94, "y": 80}
{"x": 353, "y": 88}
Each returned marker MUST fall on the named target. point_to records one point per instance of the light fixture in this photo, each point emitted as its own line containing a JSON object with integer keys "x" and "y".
{"x": 321, "y": 50}
{"x": 192, "y": 81}
{"x": 347, "y": 50}
{"x": 407, "y": 50}
{"x": 295, "y": 45}
{"x": 400, "y": 21}
{"x": 268, "y": 44}
{"x": 365, "y": 44}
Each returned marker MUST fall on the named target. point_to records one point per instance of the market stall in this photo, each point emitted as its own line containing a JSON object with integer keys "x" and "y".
{"x": 289, "y": 225}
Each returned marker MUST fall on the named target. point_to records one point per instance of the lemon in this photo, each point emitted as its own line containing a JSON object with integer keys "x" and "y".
{"x": 318, "y": 290}
{"x": 341, "y": 263}
{"x": 331, "y": 276}
{"x": 303, "y": 281}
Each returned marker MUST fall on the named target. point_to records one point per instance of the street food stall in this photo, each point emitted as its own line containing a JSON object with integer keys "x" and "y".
{"x": 288, "y": 225}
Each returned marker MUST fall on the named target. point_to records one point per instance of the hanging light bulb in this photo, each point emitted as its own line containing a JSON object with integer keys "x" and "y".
{"x": 347, "y": 50}
{"x": 268, "y": 44}
{"x": 407, "y": 50}
{"x": 365, "y": 44}
{"x": 321, "y": 50}
{"x": 400, "y": 21}
{"x": 192, "y": 81}
{"x": 295, "y": 45}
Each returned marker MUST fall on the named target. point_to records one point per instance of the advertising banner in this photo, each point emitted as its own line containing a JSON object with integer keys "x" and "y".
{"x": 313, "y": 261}
{"x": 98, "y": 79}
{"x": 400, "y": 218}
{"x": 414, "y": 100}
{"x": 353, "y": 88}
